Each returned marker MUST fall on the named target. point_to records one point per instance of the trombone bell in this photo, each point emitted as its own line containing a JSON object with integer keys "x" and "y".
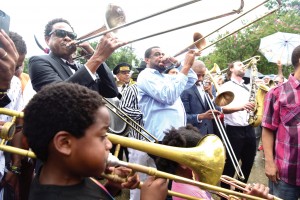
{"x": 114, "y": 16}
{"x": 201, "y": 43}
{"x": 215, "y": 69}
{"x": 206, "y": 160}
{"x": 224, "y": 98}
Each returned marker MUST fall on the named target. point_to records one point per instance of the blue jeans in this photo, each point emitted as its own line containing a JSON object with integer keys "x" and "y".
{"x": 284, "y": 190}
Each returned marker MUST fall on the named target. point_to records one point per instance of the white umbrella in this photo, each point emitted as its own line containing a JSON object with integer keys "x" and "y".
{"x": 279, "y": 46}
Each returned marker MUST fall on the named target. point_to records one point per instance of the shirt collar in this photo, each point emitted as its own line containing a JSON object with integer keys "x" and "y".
{"x": 293, "y": 81}
{"x": 234, "y": 80}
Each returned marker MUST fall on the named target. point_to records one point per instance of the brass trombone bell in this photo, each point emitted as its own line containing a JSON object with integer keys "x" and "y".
{"x": 206, "y": 160}
{"x": 224, "y": 98}
{"x": 114, "y": 17}
{"x": 198, "y": 43}
{"x": 215, "y": 69}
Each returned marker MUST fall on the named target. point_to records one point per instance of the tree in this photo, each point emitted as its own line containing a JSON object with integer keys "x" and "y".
{"x": 287, "y": 5}
{"x": 123, "y": 54}
{"x": 245, "y": 43}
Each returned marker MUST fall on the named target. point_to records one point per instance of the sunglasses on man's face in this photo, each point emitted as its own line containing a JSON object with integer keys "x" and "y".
{"x": 62, "y": 34}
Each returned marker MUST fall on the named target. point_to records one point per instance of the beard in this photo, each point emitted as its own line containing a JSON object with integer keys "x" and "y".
{"x": 240, "y": 73}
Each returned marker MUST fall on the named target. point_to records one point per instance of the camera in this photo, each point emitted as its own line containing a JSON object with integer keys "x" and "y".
{"x": 4, "y": 22}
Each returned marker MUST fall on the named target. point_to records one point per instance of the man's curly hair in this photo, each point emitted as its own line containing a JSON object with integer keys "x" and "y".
{"x": 49, "y": 26}
{"x": 296, "y": 57}
{"x": 185, "y": 136}
{"x": 59, "y": 107}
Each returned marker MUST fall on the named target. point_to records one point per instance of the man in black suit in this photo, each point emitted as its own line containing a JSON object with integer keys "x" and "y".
{"x": 195, "y": 103}
{"x": 59, "y": 65}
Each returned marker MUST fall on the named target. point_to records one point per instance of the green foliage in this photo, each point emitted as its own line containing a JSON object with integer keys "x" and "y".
{"x": 123, "y": 54}
{"x": 26, "y": 65}
{"x": 287, "y": 5}
{"x": 245, "y": 43}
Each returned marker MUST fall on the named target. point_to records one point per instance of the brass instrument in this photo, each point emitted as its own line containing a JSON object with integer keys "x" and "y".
{"x": 206, "y": 160}
{"x": 239, "y": 185}
{"x": 117, "y": 179}
{"x": 257, "y": 94}
{"x": 271, "y": 12}
{"x": 114, "y": 161}
{"x": 114, "y": 17}
{"x": 259, "y": 100}
{"x": 235, "y": 11}
{"x": 8, "y": 129}
{"x": 224, "y": 98}
{"x": 222, "y": 131}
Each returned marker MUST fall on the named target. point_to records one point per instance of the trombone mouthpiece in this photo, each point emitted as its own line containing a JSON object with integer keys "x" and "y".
{"x": 71, "y": 46}
{"x": 112, "y": 160}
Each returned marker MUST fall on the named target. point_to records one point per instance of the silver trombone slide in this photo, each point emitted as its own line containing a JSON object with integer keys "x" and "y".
{"x": 224, "y": 137}
{"x": 126, "y": 118}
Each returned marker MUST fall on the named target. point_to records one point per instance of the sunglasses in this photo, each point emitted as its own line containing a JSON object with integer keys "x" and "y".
{"x": 62, "y": 34}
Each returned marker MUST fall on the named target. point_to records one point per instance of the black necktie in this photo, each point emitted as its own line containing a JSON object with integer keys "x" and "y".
{"x": 73, "y": 66}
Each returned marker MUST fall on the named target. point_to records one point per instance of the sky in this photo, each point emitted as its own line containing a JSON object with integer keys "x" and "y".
{"x": 28, "y": 18}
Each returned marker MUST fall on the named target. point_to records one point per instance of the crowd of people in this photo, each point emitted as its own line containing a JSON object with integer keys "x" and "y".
{"x": 66, "y": 121}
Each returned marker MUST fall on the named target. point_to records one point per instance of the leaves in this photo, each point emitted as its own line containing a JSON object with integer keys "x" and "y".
{"x": 245, "y": 43}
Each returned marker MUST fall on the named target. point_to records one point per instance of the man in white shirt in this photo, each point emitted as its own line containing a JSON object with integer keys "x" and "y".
{"x": 240, "y": 134}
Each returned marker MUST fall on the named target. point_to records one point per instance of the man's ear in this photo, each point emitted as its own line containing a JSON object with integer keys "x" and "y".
{"x": 47, "y": 38}
{"x": 62, "y": 142}
{"x": 147, "y": 60}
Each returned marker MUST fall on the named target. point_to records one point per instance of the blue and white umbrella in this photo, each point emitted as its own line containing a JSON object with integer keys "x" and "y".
{"x": 279, "y": 47}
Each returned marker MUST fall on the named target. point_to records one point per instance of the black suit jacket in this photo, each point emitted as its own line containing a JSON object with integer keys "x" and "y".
{"x": 47, "y": 69}
{"x": 194, "y": 105}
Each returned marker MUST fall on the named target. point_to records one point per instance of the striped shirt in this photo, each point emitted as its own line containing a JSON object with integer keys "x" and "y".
{"x": 282, "y": 115}
{"x": 129, "y": 105}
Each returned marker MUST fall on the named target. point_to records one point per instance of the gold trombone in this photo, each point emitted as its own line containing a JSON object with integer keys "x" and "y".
{"x": 206, "y": 160}
{"x": 114, "y": 161}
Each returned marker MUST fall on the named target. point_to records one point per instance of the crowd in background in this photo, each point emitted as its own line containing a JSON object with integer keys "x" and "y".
{"x": 66, "y": 120}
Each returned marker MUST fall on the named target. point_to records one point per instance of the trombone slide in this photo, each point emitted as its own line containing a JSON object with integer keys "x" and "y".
{"x": 113, "y": 161}
{"x": 116, "y": 178}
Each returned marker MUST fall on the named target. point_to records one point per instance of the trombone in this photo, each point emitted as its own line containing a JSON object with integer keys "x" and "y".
{"x": 202, "y": 38}
{"x": 114, "y": 161}
{"x": 206, "y": 159}
{"x": 222, "y": 131}
{"x": 162, "y": 32}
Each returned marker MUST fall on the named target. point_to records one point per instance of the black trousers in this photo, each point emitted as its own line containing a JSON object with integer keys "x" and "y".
{"x": 243, "y": 142}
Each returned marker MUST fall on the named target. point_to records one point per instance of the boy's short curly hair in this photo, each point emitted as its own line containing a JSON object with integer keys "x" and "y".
{"x": 185, "y": 136}
{"x": 19, "y": 42}
{"x": 49, "y": 25}
{"x": 59, "y": 107}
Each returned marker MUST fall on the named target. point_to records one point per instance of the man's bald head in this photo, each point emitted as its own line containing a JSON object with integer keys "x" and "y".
{"x": 199, "y": 68}
{"x": 198, "y": 65}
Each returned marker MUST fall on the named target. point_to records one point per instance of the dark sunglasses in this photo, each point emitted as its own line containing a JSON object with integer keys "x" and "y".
{"x": 62, "y": 34}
